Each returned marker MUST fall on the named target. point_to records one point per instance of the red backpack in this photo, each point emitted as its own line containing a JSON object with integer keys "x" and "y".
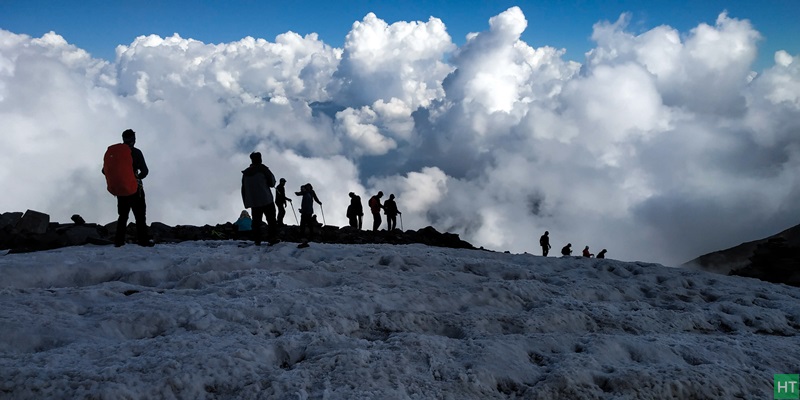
{"x": 118, "y": 168}
{"x": 374, "y": 204}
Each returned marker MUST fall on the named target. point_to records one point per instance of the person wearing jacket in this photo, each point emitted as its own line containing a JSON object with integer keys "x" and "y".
{"x": 375, "y": 207}
{"x": 566, "y": 250}
{"x": 257, "y": 180}
{"x": 390, "y": 209}
{"x": 544, "y": 241}
{"x": 280, "y": 200}
{"x": 135, "y": 202}
{"x": 355, "y": 211}
{"x": 307, "y": 208}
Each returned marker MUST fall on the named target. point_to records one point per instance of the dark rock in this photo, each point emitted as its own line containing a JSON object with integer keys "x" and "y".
{"x": 33, "y": 222}
{"x": 82, "y": 233}
{"x": 78, "y": 220}
{"x": 27, "y": 242}
{"x": 111, "y": 228}
{"x": 162, "y": 232}
{"x": 9, "y": 219}
{"x": 78, "y": 235}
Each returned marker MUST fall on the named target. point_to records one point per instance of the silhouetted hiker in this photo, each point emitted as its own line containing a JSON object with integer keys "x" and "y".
{"x": 307, "y": 218}
{"x": 566, "y": 250}
{"x": 124, "y": 168}
{"x": 390, "y": 209}
{"x": 375, "y": 207}
{"x": 257, "y": 180}
{"x": 544, "y": 241}
{"x": 355, "y": 211}
{"x": 280, "y": 200}
{"x": 586, "y": 252}
{"x": 602, "y": 254}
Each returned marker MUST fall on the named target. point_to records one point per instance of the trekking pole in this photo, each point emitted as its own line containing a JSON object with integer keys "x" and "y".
{"x": 293, "y": 213}
{"x": 323, "y": 214}
{"x": 401, "y": 223}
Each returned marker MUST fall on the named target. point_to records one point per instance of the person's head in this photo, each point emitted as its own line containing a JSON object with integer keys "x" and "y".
{"x": 129, "y": 136}
{"x": 546, "y": 233}
{"x": 391, "y": 196}
{"x": 244, "y": 214}
{"x": 351, "y": 194}
{"x": 283, "y": 181}
{"x": 309, "y": 187}
{"x": 255, "y": 157}
{"x": 380, "y": 194}
{"x": 569, "y": 244}
{"x": 586, "y": 248}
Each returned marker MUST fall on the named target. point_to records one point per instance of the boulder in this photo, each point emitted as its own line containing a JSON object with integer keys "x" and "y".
{"x": 9, "y": 219}
{"x": 33, "y": 222}
{"x": 161, "y": 232}
{"x": 78, "y": 235}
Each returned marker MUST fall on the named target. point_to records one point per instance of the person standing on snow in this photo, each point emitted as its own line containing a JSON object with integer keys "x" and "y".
{"x": 307, "y": 208}
{"x": 375, "y": 207}
{"x": 257, "y": 180}
{"x": 544, "y": 241}
{"x": 355, "y": 211}
{"x": 280, "y": 200}
{"x": 136, "y": 201}
{"x": 390, "y": 209}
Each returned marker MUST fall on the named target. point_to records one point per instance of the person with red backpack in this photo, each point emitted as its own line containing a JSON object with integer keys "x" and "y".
{"x": 375, "y": 207}
{"x": 124, "y": 168}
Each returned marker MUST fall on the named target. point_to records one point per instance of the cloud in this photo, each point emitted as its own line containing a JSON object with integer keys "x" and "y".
{"x": 661, "y": 146}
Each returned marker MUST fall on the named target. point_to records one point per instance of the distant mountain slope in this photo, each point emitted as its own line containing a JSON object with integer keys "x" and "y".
{"x": 724, "y": 261}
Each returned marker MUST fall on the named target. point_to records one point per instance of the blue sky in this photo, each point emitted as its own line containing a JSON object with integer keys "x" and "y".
{"x": 99, "y": 26}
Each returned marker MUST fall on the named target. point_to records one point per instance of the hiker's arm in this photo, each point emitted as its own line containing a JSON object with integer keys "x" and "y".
{"x": 139, "y": 165}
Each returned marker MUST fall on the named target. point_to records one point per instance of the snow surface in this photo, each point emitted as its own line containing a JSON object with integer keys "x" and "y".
{"x": 212, "y": 320}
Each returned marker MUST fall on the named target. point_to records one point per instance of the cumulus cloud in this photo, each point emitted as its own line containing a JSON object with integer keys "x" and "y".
{"x": 661, "y": 146}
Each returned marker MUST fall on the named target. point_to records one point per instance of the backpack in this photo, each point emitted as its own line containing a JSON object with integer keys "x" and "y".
{"x": 118, "y": 169}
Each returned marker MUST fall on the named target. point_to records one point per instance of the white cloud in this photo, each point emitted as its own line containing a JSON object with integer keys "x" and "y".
{"x": 357, "y": 126}
{"x": 403, "y": 61}
{"x": 661, "y": 146}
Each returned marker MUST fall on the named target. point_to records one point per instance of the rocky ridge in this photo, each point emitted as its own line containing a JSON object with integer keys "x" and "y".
{"x": 33, "y": 231}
